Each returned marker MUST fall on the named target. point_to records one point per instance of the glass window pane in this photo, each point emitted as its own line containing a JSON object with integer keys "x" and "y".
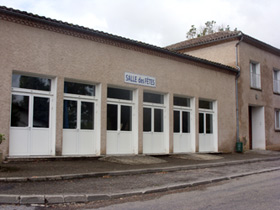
{"x": 87, "y": 115}
{"x": 119, "y": 94}
{"x": 126, "y": 118}
{"x": 275, "y": 74}
{"x": 79, "y": 89}
{"x": 186, "y": 122}
{"x": 20, "y": 111}
{"x": 205, "y": 104}
{"x": 153, "y": 98}
{"x": 253, "y": 68}
{"x": 69, "y": 114}
{"x": 178, "y": 101}
{"x": 112, "y": 117}
{"x": 201, "y": 123}
{"x": 158, "y": 120}
{"x": 147, "y": 119}
{"x": 41, "y": 112}
{"x": 209, "y": 123}
{"x": 277, "y": 119}
{"x": 28, "y": 82}
{"x": 176, "y": 124}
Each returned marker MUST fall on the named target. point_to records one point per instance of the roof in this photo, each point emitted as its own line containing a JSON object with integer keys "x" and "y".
{"x": 26, "y": 18}
{"x": 222, "y": 37}
{"x": 219, "y": 36}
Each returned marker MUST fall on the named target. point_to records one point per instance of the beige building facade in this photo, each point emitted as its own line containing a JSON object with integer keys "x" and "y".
{"x": 72, "y": 91}
{"x": 258, "y": 82}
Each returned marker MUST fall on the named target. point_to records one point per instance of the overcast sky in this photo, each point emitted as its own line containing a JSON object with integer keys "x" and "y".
{"x": 161, "y": 22}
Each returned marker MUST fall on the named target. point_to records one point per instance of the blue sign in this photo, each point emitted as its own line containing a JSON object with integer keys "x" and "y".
{"x": 138, "y": 79}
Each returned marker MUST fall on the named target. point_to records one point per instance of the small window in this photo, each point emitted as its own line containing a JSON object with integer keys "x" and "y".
{"x": 178, "y": 101}
{"x": 118, "y": 93}
{"x": 41, "y": 112}
{"x": 209, "y": 123}
{"x": 201, "y": 122}
{"x": 70, "y": 114}
{"x": 277, "y": 119}
{"x": 112, "y": 117}
{"x": 153, "y": 98}
{"x": 87, "y": 116}
{"x": 255, "y": 75}
{"x": 205, "y": 104}
{"x": 186, "y": 122}
{"x": 33, "y": 83}
{"x": 176, "y": 123}
{"x": 158, "y": 120}
{"x": 181, "y": 122}
{"x": 79, "y": 88}
{"x": 20, "y": 111}
{"x": 126, "y": 118}
{"x": 276, "y": 81}
{"x": 147, "y": 119}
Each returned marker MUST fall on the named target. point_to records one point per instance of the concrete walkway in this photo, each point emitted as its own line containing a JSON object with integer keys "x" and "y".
{"x": 50, "y": 181}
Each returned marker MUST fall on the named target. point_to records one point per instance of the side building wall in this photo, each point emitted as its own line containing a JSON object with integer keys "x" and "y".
{"x": 222, "y": 53}
{"x": 263, "y": 97}
{"x": 36, "y": 52}
{"x": 250, "y": 97}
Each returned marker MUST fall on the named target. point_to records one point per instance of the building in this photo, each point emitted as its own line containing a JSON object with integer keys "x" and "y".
{"x": 258, "y": 82}
{"x": 67, "y": 90}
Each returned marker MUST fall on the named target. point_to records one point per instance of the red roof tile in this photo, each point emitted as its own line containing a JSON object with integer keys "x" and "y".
{"x": 204, "y": 40}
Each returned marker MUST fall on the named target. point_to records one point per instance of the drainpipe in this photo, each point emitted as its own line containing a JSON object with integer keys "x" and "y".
{"x": 236, "y": 89}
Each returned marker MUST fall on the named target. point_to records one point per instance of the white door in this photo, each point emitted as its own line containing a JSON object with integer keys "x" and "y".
{"x": 258, "y": 128}
{"x": 30, "y": 131}
{"x": 182, "y": 136}
{"x": 153, "y": 130}
{"x": 207, "y": 142}
{"x": 78, "y": 127}
{"x": 119, "y": 129}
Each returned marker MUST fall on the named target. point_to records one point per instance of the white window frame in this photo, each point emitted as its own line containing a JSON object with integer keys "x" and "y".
{"x": 82, "y": 98}
{"x": 182, "y": 109}
{"x": 277, "y": 119}
{"x": 255, "y": 77}
{"x": 119, "y": 103}
{"x": 276, "y": 81}
{"x": 154, "y": 106}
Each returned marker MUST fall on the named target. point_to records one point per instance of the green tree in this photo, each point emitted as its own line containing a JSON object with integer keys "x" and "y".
{"x": 209, "y": 27}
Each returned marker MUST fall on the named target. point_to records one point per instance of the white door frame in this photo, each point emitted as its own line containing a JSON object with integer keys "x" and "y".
{"x": 79, "y": 141}
{"x": 209, "y": 142}
{"x": 118, "y": 141}
{"x": 157, "y": 142}
{"x": 184, "y": 142}
{"x": 22, "y": 140}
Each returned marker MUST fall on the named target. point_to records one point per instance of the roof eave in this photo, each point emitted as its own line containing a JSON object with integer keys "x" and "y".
{"x": 84, "y": 30}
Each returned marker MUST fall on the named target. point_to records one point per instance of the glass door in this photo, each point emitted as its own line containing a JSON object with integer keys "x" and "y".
{"x": 120, "y": 109}
{"x": 183, "y": 128}
{"x": 154, "y": 138}
{"x": 30, "y": 125}
{"x": 78, "y": 127}
{"x": 79, "y": 113}
{"x": 31, "y": 116}
{"x": 207, "y": 137}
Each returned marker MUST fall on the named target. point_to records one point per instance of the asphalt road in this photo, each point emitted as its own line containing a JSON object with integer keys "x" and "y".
{"x": 253, "y": 192}
{"x": 122, "y": 184}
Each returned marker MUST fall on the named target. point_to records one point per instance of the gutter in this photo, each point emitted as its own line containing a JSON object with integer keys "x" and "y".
{"x": 236, "y": 88}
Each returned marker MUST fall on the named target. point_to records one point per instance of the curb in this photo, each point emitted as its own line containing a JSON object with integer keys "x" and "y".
{"x": 85, "y": 198}
{"x": 133, "y": 172}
